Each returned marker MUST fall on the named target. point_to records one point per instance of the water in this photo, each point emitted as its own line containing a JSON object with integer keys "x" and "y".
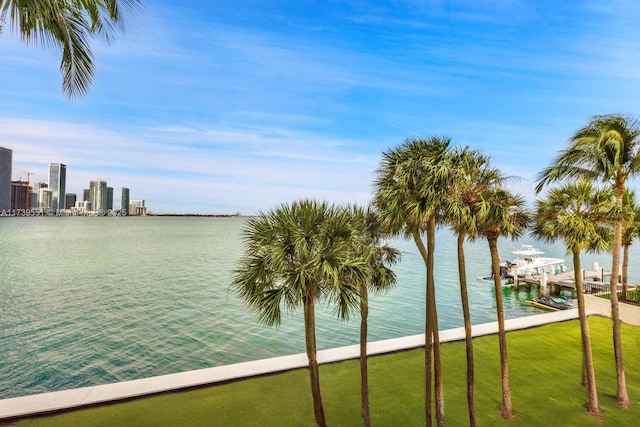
{"x": 86, "y": 301}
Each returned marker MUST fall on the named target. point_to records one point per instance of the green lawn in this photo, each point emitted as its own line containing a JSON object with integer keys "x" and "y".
{"x": 545, "y": 365}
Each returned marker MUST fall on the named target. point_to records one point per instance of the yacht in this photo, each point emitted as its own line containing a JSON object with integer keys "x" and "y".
{"x": 529, "y": 262}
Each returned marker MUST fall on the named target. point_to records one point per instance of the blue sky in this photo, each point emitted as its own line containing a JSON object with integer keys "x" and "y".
{"x": 238, "y": 106}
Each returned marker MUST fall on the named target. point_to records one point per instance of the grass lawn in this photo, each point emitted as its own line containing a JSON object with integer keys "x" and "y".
{"x": 545, "y": 365}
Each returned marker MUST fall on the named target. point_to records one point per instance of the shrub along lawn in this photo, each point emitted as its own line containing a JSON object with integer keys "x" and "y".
{"x": 633, "y": 296}
{"x": 545, "y": 366}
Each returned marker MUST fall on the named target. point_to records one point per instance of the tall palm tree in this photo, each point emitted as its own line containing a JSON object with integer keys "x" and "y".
{"x": 475, "y": 177}
{"x": 379, "y": 257}
{"x": 296, "y": 255}
{"x": 607, "y": 149}
{"x": 411, "y": 192}
{"x": 577, "y": 213}
{"x": 67, "y": 27}
{"x": 631, "y": 230}
{"x": 501, "y": 213}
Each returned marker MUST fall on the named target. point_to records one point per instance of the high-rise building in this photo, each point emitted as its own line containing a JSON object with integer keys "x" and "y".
{"x": 137, "y": 208}
{"x": 86, "y": 195}
{"x": 98, "y": 195}
{"x": 110, "y": 198}
{"x": 45, "y": 196}
{"x": 70, "y": 200}
{"x": 83, "y": 206}
{"x": 20, "y": 195}
{"x": 57, "y": 184}
{"x": 35, "y": 191}
{"x": 124, "y": 201}
{"x": 33, "y": 200}
{"x": 5, "y": 179}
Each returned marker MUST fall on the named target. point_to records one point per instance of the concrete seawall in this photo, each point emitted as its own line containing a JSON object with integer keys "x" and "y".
{"x": 75, "y": 398}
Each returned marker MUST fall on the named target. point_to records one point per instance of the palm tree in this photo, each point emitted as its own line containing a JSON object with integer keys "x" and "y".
{"x": 631, "y": 229}
{"x": 296, "y": 255}
{"x": 501, "y": 213}
{"x": 577, "y": 213}
{"x": 411, "y": 192}
{"x": 475, "y": 177}
{"x": 67, "y": 26}
{"x": 379, "y": 256}
{"x": 607, "y": 149}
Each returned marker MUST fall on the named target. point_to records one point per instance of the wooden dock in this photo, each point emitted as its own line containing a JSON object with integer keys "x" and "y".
{"x": 566, "y": 281}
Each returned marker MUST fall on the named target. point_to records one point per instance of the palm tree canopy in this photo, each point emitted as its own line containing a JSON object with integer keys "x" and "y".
{"x": 501, "y": 213}
{"x": 578, "y": 214}
{"x": 474, "y": 177}
{"x": 297, "y": 254}
{"x": 374, "y": 247}
{"x": 67, "y": 26}
{"x": 412, "y": 182}
{"x": 606, "y": 149}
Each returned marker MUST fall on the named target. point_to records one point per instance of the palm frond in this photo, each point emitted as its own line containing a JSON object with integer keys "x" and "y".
{"x": 577, "y": 213}
{"x": 607, "y": 149}
{"x": 67, "y": 27}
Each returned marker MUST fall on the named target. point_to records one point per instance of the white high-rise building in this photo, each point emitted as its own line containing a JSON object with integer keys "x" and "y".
{"x": 82, "y": 207}
{"x": 137, "y": 208}
{"x": 35, "y": 194}
{"x": 45, "y": 198}
{"x": 98, "y": 195}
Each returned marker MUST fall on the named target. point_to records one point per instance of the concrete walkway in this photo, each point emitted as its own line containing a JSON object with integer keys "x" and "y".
{"x": 67, "y": 399}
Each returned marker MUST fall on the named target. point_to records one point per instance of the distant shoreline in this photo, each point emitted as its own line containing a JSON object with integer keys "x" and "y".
{"x": 199, "y": 215}
{"x": 111, "y": 213}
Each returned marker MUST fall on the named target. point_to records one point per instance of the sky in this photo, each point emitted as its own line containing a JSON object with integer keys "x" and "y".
{"x": 219, "y": 107}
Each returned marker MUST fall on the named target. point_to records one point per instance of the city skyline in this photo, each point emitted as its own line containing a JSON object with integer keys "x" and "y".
{"x": 29, "y": 174}
{"x": 243, "y": 106}
{"x": 52, "y": 193}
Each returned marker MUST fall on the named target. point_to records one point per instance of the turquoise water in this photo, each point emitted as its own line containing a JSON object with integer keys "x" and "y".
{"x": 86, "y": 301}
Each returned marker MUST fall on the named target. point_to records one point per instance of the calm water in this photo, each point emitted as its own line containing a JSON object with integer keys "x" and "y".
{"x": 87, "y": 301}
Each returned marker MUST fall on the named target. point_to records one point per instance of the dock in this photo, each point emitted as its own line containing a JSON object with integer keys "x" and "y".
{"x": 593, "y": 281}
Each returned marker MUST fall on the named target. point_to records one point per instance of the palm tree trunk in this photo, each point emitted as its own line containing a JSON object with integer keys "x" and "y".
{"x": 468, "y": 338}
{"x": 437, "y": 364}
{"x": 621, "y": 390}
{"x": 593, "y": 407}
{"x": 625, "y": 271}
{"x": 583, "y": 381}
{"x": 314, "y": 373}
{"x": 507, "y": 411}
{"x": 428, "y": 335}
{"x": 432, "y": 313}
{"x": 364, "y": 374}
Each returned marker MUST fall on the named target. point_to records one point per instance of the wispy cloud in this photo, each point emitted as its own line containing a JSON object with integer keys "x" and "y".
{"x": 142, "y": 159}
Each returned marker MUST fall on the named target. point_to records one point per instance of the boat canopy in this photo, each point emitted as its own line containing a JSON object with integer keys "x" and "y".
{"x": 528, "y": 250}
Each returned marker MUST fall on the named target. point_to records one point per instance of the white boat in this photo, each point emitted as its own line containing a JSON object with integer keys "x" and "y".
{"x": 529, "y": 263}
